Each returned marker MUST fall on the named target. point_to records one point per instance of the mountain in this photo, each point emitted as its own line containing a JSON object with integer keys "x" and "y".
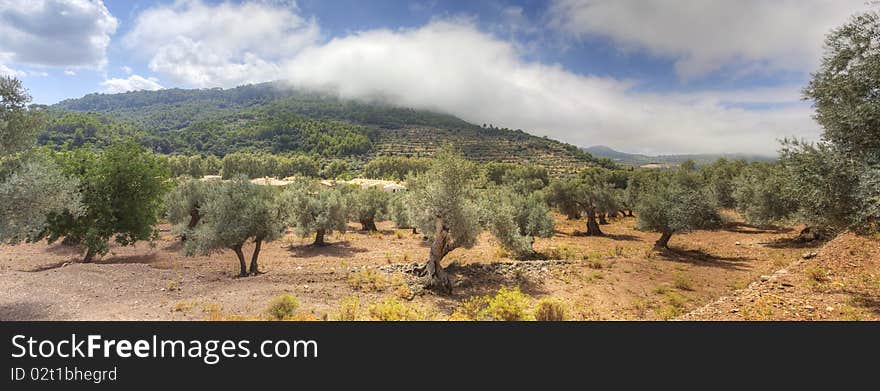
{"x": 272, "y": 118}
{"x": 661, "y": 161}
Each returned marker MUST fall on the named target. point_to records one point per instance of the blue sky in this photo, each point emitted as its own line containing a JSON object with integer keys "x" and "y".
{"x": 652, "y": 76}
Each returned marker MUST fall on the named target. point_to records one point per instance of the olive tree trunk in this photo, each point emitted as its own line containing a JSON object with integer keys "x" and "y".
{"x": 368, "y": 225}
{"x": 258, "y": 243}
{"x": 437, "y": 278}
{"x": 194, "y": 218}
{"x": 663, "y": 242}
{"x": 240, "y": 255}
{"x": 592, "y": 225}
{"x": 319, "y": 237}
{"x": 90, "y": 255}
{"x": 603, "y": 218}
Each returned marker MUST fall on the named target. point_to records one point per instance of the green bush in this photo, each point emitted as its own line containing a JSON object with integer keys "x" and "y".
{"x": 283, "y": 307}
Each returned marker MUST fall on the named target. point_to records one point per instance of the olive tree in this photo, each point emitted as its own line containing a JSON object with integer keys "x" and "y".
{"x": 516, "y": 219}
{"x": 760, "y": 193}
{"x": 823, "y": 182}
{"x": 368, "y": 205}
{"x": 122, "y": 190}
{"x": 313, "y": 208}
{"x": 444, "y": 205}
{"x": 586, "y": 196}
{"x": 399, "y": 213}
{"x": 676, "y": 203}
{"x": 30, "y": 195}
{"x": 19, "y": 124}
{"x": 233, "y": 213}
{"x": 844, "y": 88}
{"x": 32, "y": 186}
{"x": 834, "y": 181}
{"x": 183, "y": 205}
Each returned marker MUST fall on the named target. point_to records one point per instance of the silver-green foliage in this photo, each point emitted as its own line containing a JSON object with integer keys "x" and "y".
{"x": 309, "y": 207}
{"x": 19, "y": 125}
{"x": 235, "y": 212}
{"x": 760, "y": 194}
{"x": 183, "y": 204}
{"x": 677, "y": 203}
{"x": 36, "y": 190}
{"x": 446, "y": 197}
{"x": 516, "y": 219}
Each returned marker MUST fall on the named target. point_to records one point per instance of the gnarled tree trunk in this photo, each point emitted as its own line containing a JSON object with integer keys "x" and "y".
{"x": 194, "y": 218}
{"x": 663, "y": 242}
{"x": 368, "y": 225}
{"x": 437, "y": 278}
{"x": 258, "y": 243}
{"x": 592, "y": 225}
{"x": 602, "y": 218}
{"x": 240, "y": 255}
{"x": 319, "y": 237}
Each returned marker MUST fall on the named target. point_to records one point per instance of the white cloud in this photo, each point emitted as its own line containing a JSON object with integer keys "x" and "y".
{"x": 69, "y": 72}
{"x": 57, "y": 33}
{"x": 126, "y": 69}
{"x": 7, "y": 71}
{"x": 131, "y": 83}
{"x": 453, "y": 67}
{"x": 703, "y": 36}
{"x": 220, "y": 45}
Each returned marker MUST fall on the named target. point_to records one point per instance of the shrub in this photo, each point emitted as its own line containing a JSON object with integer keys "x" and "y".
{"x": 508, "y": 305}
{"x": 683, "y": 282}
{"x": 392, "y": 309}
{"x": 550, "y": 310}
{"x": 367, "y": 281}
{"x": 283, "y": 307}
{"x": 349, "y": 309}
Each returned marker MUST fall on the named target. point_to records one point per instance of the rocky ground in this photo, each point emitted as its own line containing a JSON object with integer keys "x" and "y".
{"x": 840, "y": 281}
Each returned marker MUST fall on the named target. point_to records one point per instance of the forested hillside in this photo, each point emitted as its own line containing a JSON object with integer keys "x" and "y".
{"x": 270, "y": 118}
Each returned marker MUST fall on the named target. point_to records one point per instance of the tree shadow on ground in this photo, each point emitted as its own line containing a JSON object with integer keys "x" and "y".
{"x": 26, "y": 310}
{"x": 867, "y": 301}
{"x": 624, "y": 237}
{"x": 332, "y": 249}
{"x": 127, "y": 259}
{"x": 699, "y": 257}
{"x": 476, "y": 280}
{"x": 743, "y": 228}
{"x": 46, "y": 266}
{"x": 794, "y": 242}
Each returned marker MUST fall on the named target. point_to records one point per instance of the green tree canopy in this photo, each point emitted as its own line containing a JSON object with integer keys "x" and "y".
{"x": 676, "y": 203}
{"x": 122, "y": 190}
{"x": 235, "y": 212}
{"x": 313, "y": 208}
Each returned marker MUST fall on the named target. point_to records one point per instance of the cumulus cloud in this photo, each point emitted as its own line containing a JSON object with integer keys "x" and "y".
{"x": 131, "y": 83}
{"x": 227, "y": 44}
{"x": 453, "y": 67}
{"x": 703, "y": 36}
{"x": 56, "y": 33}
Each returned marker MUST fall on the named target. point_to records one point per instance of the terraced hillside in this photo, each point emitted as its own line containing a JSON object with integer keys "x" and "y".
{"x": 271, "y": 118}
